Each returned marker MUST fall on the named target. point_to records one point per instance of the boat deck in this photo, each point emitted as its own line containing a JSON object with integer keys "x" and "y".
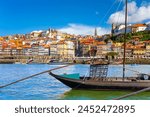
{"x": 117, "y": 83}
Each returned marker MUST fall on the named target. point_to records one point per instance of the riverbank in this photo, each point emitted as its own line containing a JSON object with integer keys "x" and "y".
{"x": 23, "y": 59}
{"x": 138, "y": 61}
{"x": 46, "y": 59}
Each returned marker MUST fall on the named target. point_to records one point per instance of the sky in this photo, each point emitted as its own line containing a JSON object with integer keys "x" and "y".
{"x": 71, "y": 16}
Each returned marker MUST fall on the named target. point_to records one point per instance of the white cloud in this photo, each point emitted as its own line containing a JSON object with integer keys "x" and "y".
{"x": 80, "y": 29}
{"x": 135, "y": 14}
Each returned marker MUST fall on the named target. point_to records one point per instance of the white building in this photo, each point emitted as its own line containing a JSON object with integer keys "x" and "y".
{"x": 43, "y": 50}
{"x": 59, "y": 35}
{"x": 121, "y": 29}
{"x": 138, "y": 27}
{"x": 71, "y": 49}
{"x": 27, "y": 51}
{"x": 35, "y": 34}
{"x": 53, "y": 49}
{"x": 35, "y": 49}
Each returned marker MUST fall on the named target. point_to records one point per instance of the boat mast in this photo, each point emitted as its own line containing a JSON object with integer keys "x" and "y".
{"x": 124, "y": 56}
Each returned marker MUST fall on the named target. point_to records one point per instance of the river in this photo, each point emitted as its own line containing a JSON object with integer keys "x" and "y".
{"x": 45, "y": 87}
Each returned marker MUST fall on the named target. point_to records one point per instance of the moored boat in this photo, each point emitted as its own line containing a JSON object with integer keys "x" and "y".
{"x": 102, "y": 82}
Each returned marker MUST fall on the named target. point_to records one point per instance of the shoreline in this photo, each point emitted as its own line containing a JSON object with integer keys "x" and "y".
{"x": 74, "y": 63}
{"x": 46, "y": 60}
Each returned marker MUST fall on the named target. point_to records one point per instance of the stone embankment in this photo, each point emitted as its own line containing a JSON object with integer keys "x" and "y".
{"x": 23, "y": 59}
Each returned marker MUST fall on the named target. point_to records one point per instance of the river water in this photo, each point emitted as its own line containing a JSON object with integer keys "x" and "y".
{"x": 45, "y": 87}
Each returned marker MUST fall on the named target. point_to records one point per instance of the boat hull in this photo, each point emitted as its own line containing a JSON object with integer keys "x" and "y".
{"x": 102, "y": 85}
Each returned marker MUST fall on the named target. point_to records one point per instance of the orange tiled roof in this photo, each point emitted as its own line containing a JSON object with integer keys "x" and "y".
{"x": 47, "y": 46}
{"x": 13, "y": 45}
{"x": 19, "y": 48}
{"x": 61, "y": 42}
{"x": 87, "y": 41}
{"x": 27, "y": 46}
{"x": 148, "y": 41}
{"x": 1, "y": 39}
{"x": 101, "y": 43}
{"x": 4, "y": 44}
{"x": 139, "y": 25}
{"x": 139, "y": 49}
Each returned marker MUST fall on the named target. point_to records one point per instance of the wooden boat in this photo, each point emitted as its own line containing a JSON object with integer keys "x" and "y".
{"x": 98, "y": 79}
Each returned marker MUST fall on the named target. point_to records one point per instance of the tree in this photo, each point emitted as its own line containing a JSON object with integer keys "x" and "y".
{"x": 111, "y": 55}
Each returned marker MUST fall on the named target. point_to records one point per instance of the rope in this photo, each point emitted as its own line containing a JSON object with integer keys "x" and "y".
{"x": 110, "y": 9}
{"x": 107, "y": 12}
{"x": 22, "y": 79}
{"x": 135, "y": 71}
{"x": 26, "y": 78}
{"x": 131, "y": 94}
{"x": 117, "y": 22}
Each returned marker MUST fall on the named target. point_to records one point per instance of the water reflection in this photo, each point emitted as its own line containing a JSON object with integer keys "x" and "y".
{"x": 101, "y": 95}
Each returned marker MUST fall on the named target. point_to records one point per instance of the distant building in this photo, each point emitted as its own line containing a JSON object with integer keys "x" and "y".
{"x": 65, "y": 49}
{"x": 1, "y": 49}
{"x": 27, "y": 36}
{"x": 44, "y": 33}
{"x": 6, "y": 51}
{"x": 148, "y": 27}
{"x": 53, "y": 50}
{"x": 44, "y": 50}
{"x": 85, "y": 50}
{"x": 117, "y": 47}
{"x": 78, "y": 48}
{"x": 27, "y": 49}
{"x": 70, "y": 49}
{"x": 101, "y": 49}
{"x": 35, "y": 49}
{"x": 95, "y": 33}
{"x": 120, "y": 29}
{"x": 148, "y": 49}
{"x": 36, "y": 34}
{"x": 138, "y": 27}
{"x": 139, "y": 52}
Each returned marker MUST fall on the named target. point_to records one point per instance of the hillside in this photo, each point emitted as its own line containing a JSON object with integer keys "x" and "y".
{"x": 143, "y": 35}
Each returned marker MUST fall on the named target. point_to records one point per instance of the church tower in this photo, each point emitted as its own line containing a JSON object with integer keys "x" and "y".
{"x": 95, "y": 32}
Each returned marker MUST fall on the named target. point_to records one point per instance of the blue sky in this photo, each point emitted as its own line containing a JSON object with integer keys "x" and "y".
{"x": 24, "y": 16}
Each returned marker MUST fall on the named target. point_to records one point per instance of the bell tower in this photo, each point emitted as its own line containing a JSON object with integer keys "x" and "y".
{"x": 95, "y": 32}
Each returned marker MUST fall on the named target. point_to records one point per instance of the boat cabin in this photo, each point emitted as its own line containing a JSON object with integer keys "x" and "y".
{"x": 98, "y": 70}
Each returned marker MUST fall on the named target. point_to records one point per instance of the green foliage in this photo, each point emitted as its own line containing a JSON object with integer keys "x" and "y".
{"x": 112, "y": 54}
{"x": 144, "y": 36}
{"x": 106, "y": 40}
